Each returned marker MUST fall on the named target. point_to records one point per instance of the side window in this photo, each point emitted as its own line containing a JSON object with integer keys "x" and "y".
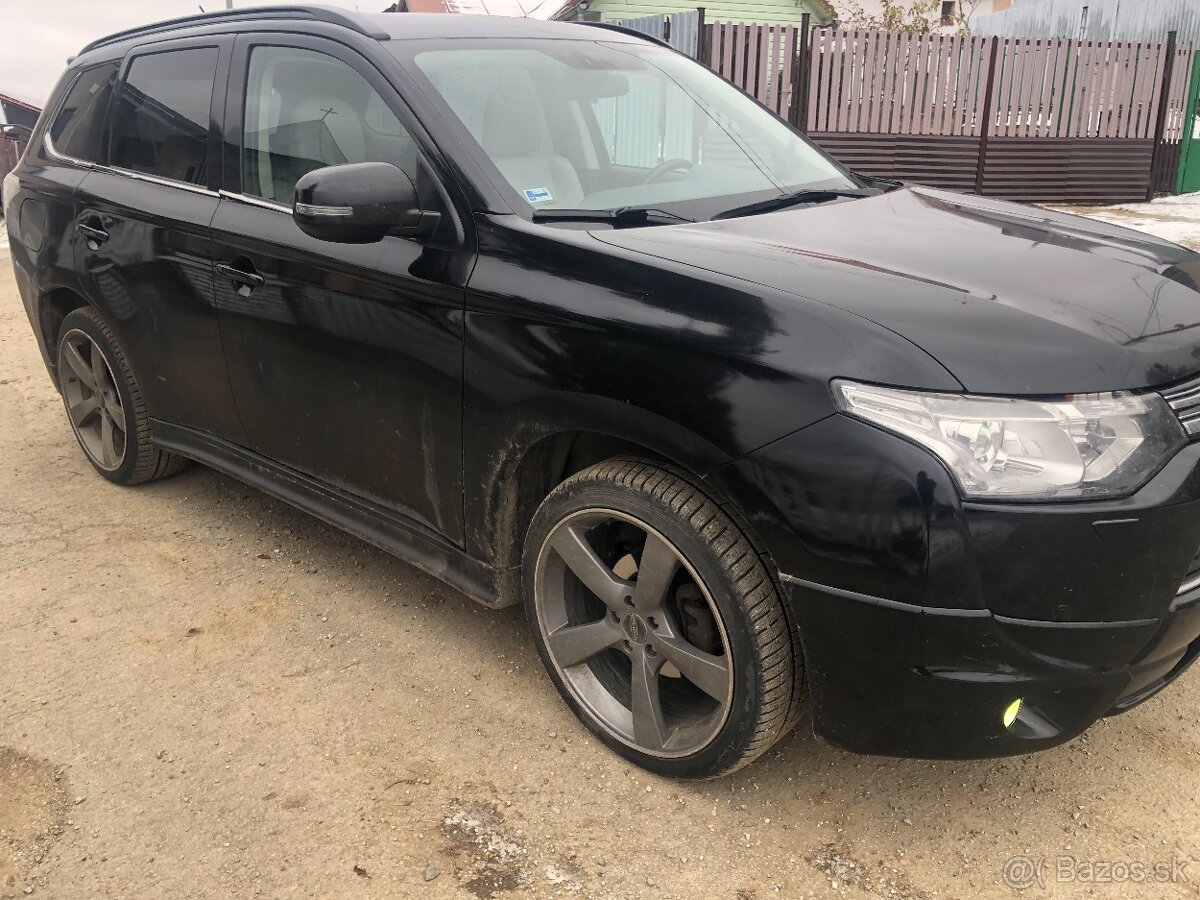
{"x": 162, "y": 117}
{"x": 305, "y": 110}
{"x": 77, "y": 129}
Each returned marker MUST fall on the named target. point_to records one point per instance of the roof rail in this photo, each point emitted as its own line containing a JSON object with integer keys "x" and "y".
{"x": 316, "y": 13}
{"x": 621, "y": 29}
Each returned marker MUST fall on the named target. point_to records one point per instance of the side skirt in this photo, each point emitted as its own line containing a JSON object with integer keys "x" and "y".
{"x": 390, "y": 531}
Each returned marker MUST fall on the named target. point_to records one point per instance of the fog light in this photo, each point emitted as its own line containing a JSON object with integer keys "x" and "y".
{"x": 1010, "y": 714}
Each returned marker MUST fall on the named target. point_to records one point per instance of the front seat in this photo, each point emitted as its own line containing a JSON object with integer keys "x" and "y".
{"x": 319, "y": 125}
{"x": 517, "y": 138}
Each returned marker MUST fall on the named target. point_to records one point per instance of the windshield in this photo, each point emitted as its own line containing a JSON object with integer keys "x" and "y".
{"x": 592, "y": 125}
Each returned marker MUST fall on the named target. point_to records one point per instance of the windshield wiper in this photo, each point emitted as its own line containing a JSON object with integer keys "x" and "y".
{"x": 621, "y": 217}
{"x": 821, "y": 195}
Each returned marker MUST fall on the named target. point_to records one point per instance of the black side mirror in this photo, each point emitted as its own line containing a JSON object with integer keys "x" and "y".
{"x": 360, "y": 203}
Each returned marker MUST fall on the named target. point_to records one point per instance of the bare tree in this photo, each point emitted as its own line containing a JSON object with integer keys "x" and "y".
{"x": 964, "y": 10}
{"x": 914, "y": 16}
{"x": 919, "y": 16}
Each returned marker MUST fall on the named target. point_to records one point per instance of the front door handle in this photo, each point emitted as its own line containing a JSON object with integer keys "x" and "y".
{"x": 244, "y": 282}
{"x": 94, "y": 236}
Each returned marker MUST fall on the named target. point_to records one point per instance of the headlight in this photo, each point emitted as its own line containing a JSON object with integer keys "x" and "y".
{"x": 1083, "y": 446}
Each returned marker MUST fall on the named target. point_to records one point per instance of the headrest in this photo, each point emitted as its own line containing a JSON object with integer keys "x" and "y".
{"x": 513, "y": 121}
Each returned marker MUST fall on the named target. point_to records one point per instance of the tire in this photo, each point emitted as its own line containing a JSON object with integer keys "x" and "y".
{"x": 694, "y": 672}
{"x": 104, "y": 403}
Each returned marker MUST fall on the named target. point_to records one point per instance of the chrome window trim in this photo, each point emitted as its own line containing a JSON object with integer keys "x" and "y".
{"x": 62, "y": 157}
{"x": 128, "y": 173}
{"x": 255, "y": 201}
{"x": 157, "y": 179}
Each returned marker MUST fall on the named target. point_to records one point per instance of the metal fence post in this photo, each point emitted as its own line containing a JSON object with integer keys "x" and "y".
{"x": 702, "y": 37}
{"x": 801, "y": 65}
{"x": 985, "y": 124}
{"x": 1164, "y": 100}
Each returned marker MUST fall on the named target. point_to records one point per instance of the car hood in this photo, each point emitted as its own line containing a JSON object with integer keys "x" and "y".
{"x": 1010, "y": 299}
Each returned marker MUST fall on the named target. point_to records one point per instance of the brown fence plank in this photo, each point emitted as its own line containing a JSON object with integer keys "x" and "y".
{"x": 818, "y": 109}
{"x": 791, "y": 46}
{"x": 1108, "y": 99}
{"x": 1052, "y": 120}
{"x": 862, "y": 81}
{"x": 888, "y": 96}
{"x": 924, "y": 86}
{"x": 1181, "y": 84}
{"x": 760, "y": 63}
{"x": 777, "y": 78}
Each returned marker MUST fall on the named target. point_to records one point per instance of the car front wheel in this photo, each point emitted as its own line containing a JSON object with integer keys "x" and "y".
{"x": 658, "y": 621}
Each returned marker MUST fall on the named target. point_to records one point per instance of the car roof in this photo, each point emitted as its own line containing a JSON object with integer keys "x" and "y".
{"x": 380, "y": 26}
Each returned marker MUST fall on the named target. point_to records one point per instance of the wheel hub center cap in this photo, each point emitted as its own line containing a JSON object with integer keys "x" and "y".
{"x": 636, "y": 628}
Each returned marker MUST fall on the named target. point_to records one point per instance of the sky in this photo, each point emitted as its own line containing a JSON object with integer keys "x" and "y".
{"x": 37, "y": 36}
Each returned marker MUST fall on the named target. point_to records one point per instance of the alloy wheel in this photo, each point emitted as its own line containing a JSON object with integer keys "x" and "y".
{"x": 634, "y": 632}
{"x": 93, "y": 402}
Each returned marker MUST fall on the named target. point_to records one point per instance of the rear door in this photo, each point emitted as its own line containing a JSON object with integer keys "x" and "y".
{"x": 142, "y": 229}
{"x": 41, "y": 230}
{"x": 346, "y": 359}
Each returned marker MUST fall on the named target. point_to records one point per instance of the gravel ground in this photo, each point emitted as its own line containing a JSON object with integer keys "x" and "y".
{"x": 209, "y": 694}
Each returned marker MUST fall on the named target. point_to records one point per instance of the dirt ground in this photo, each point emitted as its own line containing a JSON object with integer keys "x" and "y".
{"x": 1173, "y": 218}
{"x": 204, "y": 693}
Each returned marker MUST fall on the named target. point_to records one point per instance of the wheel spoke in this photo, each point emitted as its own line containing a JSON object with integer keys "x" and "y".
{"x": 656, "y": 570}
{"x": 572, "y": 546}
{"x": 708, "y": 672}
{"x": 649, "y": 725}
{"x": 106, "y": 440}
{"x": 574, "y": 644}
{"x": 117, "y": 414}
{"x": 82, "y": 370}
{"x": 81, "y": 411}
{"x": 99, "y": 368}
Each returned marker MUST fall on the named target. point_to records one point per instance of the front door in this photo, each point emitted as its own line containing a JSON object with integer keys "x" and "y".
{"x": 346, "y": 359}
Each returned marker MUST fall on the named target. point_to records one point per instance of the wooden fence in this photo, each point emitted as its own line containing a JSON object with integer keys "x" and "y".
{"x": 10, "y": 152}
{"x": 763, "y": 60}
{"x": 1025, "y": 118}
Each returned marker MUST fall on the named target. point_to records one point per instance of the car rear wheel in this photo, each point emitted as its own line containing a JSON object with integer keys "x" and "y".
{"x": 658, "y": 622}
{"x": 104, "y": 403}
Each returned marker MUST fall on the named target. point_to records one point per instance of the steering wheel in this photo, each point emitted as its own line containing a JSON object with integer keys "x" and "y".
{"x": 663, "y": 168}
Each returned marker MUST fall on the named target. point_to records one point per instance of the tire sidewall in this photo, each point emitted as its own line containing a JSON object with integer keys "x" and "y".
{"x": 84, "y": 320}
{"x": 730, "y": 743}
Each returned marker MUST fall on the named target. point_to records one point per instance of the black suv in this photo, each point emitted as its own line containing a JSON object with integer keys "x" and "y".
{"x": 560, "y": 316}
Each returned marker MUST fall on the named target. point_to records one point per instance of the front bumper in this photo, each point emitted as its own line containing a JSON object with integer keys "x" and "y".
{"x": 905, "y": 680}
{"x": 923, "y": 618}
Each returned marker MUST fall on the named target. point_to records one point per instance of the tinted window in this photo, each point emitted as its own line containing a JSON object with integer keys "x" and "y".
{"x": 78, "y": 127}
{"x": 161, "y": 125}
{"x": 524, "y": 102}
{"x": 306, "y": 110}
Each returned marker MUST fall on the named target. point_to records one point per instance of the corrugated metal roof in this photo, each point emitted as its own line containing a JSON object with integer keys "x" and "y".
{"x": 9, "y": 98}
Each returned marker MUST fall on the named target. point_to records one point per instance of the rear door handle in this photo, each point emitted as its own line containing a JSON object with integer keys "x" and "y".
{"x": 244, "y": 281}
{"x": 94, "y": 236}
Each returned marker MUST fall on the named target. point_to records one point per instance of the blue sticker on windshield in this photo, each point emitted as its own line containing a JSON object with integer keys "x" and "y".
{"x": 537, "y": 195}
